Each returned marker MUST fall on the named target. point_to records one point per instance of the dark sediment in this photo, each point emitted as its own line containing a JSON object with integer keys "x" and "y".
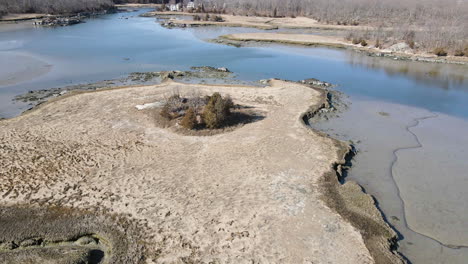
{"x": 64, "y": 235}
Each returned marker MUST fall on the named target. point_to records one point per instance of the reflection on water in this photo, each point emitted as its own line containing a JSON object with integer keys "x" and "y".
{"x": 445, "y": 76}
{"x": 109, "y": 47}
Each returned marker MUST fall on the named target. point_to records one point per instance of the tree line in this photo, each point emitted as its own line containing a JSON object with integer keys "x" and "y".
{"x": 426, "y": 24}
{"x": 53, "y": 6}
{"x": 422, "y": 23}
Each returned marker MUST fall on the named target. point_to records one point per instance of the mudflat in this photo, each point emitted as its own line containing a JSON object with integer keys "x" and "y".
{"x": 259, "y": 193}
{"x": 20, "y": 67}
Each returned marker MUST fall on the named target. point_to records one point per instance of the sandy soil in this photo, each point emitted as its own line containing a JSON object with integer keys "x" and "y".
{"x": 19, "y": 17}
{"x": 19, "y": 67}
{"x": 299, "y": 39}
{"x": 257, "y": 194}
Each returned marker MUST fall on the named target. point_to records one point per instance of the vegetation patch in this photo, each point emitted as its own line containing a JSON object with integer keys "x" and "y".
{"x": 440, "y": 52}
{"x": 54, "y": 6}
{"x": 203, "y": 115}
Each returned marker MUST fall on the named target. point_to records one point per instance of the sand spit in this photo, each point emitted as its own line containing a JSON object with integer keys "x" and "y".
{"x": 256, "y": 194}
{"x": 297, "y": 39}
{"x": 331, "y": 41}
{"x": 304, "y": 23}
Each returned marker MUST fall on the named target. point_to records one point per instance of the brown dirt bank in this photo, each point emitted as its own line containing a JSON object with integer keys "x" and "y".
{"x": 21, "y": 17}
{"x": 255, "y": 194}
{"x": 315, "y": 40}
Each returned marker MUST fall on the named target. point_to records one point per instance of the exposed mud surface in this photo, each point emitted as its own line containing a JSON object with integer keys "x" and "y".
{"x": 201, "y": 74}
{"x": 394, "y": 144}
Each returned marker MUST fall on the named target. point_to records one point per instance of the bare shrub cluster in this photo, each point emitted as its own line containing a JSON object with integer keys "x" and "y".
{"x": 207, "y": 17}
{"x": 198, "y": 112}
{"x": 53, "y": 6}
{"x": 422, "y": 24}
{"x": 139, "y": 1}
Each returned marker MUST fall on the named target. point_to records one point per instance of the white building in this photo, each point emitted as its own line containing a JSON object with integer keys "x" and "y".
{"x": 191, "y": 5}
{"x": 175, "y": 7}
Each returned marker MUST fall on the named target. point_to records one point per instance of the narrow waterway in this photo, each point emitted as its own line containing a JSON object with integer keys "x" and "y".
{"x": 408, "y": 120}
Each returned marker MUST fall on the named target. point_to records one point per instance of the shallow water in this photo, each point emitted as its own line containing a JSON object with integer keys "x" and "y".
{"x": 412, "y": 161}
{"x": 109, "y": 47}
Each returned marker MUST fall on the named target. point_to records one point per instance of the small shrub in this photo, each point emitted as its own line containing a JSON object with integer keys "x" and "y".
{"x": 165, "y": 112}
{"x": 355, "y": 23}
{"x": 196, "y": 18}
{"x": 409, "y": 38}
{"x": 218, "y": 19}
{"x": 216, "y": 111}
{"x": 363, "y": 42}
{"x": 189, "y": 120}
{"x": 459, "y": 53}
{"x": 377, "y": 44}
{"x": 212, "y": 111}
{"x": 356, "y": 41}
{"x": 172, "y": 107}
{"x": 440, "y": 52}
{"x": 207, "y": 17}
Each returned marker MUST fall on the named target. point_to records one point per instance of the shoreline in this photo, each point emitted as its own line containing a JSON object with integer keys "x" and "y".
{"x": 266, "y": 23}
{"x": 377, "y": 245}
{"x": 341, "y": 198}
{"x": 314, "y": 40}
{"x": 398, "y": 190}
{"x": 22, "y": 17}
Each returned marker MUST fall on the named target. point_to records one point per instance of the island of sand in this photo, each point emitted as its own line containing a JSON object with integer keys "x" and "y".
{"x": 89, "y": 177}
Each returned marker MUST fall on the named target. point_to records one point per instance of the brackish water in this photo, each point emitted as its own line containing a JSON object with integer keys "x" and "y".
{"x": 415, "y": 169}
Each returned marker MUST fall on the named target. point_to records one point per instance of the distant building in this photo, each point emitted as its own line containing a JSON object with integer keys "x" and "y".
{"x": 191, "y": 5}
{"x": 175, "y": 5}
